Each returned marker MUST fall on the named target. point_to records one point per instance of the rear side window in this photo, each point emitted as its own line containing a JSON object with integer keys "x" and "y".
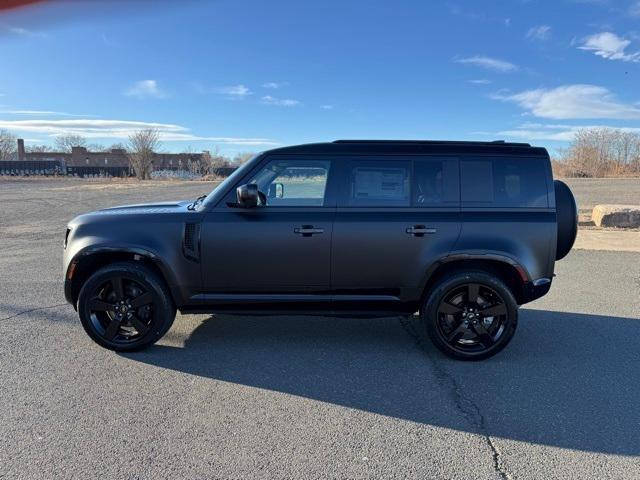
{"x": 435, "y": 182}
{"x": 379, "y": 183}
{"x": 503, "y": 182}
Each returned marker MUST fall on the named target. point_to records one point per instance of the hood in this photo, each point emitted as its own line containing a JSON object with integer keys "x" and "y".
{"x": 137, "y": 212}
{"x": 141, "y": 208}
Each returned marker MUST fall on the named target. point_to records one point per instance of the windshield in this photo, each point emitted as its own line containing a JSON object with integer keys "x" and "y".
{"x": 213, "y": 197}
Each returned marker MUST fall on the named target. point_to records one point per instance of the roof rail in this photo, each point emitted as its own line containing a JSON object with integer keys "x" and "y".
{"x": 436, "y": 142}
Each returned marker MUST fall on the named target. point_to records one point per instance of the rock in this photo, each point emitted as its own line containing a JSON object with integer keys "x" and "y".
{"x": 627, "y": 216}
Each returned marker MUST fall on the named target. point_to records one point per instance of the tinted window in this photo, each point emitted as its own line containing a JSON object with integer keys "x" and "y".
{"x": 435, "y": 182}
{"x": 504, "y": 182}
{"x": 293, "y": 183}
{"x": 378, "y": 183}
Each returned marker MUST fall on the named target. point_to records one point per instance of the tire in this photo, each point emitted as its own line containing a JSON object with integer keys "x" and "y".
{"x": 125, "y": 307}
{"x": 567, "y": 218}
{"x": 449, "y": 304}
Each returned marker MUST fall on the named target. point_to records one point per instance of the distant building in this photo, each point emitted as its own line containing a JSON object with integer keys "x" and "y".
{"x": 81, "y": 157}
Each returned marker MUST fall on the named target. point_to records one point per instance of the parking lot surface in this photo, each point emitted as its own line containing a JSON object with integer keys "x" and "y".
{"x": 306, "y": 397}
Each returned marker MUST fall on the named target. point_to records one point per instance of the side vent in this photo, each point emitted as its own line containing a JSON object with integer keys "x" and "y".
{"x": 191, "y": 241}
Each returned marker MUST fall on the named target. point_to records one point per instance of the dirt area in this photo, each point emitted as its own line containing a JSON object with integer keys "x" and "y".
{"x": 589, "y": 192}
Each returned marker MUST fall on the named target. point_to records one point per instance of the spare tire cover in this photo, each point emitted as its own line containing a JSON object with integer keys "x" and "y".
{"x": 567, "y": 218}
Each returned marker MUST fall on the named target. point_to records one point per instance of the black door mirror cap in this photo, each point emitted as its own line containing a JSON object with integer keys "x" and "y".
{"x": 247, "y": 195}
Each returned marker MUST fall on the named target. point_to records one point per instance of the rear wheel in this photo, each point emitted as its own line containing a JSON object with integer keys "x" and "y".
{"x": 125, "y": 306}
{"x": 470, "y": 315}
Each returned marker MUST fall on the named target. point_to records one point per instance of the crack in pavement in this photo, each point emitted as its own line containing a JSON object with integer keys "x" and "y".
{"x": 465, "y": 405}
{"x": 33, "y": 310}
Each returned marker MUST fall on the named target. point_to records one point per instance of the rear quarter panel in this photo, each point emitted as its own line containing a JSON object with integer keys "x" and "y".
{"x": 525, "y": 236}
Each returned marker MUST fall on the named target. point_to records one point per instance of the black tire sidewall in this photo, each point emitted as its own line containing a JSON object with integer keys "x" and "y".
{"x": 429, "y": 312}
{"x": 566, "y": 218}
{"x": 165, "y": 311}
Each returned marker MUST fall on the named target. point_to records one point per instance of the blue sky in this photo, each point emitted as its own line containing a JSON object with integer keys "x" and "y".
{"x": 246, "y": 75}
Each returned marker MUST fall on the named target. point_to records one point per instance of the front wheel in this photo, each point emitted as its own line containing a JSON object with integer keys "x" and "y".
{"x": 125, "y": 306}
{"x": 470, "y": 315}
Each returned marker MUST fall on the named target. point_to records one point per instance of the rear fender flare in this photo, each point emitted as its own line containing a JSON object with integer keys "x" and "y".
{"x": 460, "y": 257}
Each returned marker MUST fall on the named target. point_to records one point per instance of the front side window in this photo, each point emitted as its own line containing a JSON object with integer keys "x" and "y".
{"x": 378, "y": 183}
{"x": 293, "y": 183}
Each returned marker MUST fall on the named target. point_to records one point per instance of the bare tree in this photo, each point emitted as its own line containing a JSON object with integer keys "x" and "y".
{"x": 96, "y": 147}
{"x": 8, "y": 145}
{"x": 599, "y": 152}
{"x": 242, "y": 157}
{"x": 142, "y": 145}
{"x": 116, "y": 146}
{"x": 38, "y": 148}
{"x": 211, "y": 160}
{"x": 65, "y": 143}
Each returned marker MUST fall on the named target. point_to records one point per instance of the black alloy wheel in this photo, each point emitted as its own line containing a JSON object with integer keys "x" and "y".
{"x": 121, "y": 309}
{"x": 471, "y": 316}
{"x": 125, "y": 306}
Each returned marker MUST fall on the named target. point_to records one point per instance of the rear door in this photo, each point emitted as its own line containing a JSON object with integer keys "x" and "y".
{"x": 396, "y": 216}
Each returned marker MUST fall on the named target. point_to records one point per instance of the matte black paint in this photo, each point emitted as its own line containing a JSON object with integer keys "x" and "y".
{"x": 356, "y": 260}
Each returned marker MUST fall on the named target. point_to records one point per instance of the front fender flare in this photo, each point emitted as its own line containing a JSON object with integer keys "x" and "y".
{"x": 168, "y": 275}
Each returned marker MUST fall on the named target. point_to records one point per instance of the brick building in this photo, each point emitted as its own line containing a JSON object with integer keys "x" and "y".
{"x": 116, "y": 158}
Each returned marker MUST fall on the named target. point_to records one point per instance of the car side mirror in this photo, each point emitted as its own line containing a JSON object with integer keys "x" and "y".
{"x": 276, "y": 190}
{"x": 247, "y": 195}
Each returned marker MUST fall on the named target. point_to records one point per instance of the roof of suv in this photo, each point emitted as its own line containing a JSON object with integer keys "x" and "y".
{"x": 412, "y": 147}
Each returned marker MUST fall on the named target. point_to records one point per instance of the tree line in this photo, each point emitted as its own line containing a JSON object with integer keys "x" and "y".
{"x": 600, "y": 152}
{"x": 593, "y": 152}
{"x": 140, "y": 149}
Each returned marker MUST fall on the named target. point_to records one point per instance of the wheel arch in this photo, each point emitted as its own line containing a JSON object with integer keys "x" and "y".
{"x": 90, "y": 259}
{"x": 512, "y": 273}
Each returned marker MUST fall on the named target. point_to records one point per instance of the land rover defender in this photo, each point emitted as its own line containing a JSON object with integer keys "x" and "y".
{"x": 461, "y": 233}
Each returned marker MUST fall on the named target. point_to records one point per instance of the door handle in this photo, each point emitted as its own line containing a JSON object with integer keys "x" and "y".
{"x": 308, "y": 230}
{"x": 420, "y": 230}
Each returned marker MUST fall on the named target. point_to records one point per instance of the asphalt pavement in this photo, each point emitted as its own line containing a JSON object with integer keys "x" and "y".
{"x": 307, "y": 397}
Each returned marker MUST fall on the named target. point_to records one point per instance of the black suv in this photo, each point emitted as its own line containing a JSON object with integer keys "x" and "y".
{"x": 460, "y": 232}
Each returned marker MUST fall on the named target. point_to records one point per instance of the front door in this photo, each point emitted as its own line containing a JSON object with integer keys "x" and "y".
{"x": 282, "y": 246}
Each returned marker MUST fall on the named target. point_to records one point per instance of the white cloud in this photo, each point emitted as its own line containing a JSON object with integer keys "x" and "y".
{"x": 558, "y": 133}
{"x": 611, "y": 46}
{"x": 489, "y": 63}
{"x": 480, "y": 81}
{"x": 280, "y": 102}
{"x": 327, "y": 107}
{"x": 43, "y": 112}
{"x": 25, "y": 32}
{"x": 120, "y": 129}
{"x": 275, "y": 84}
{"x": 145, "y": 89}
{"x": 541, "y": 32}
{"x": 572, "y": 102}
{"x": 233, "y": 91}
